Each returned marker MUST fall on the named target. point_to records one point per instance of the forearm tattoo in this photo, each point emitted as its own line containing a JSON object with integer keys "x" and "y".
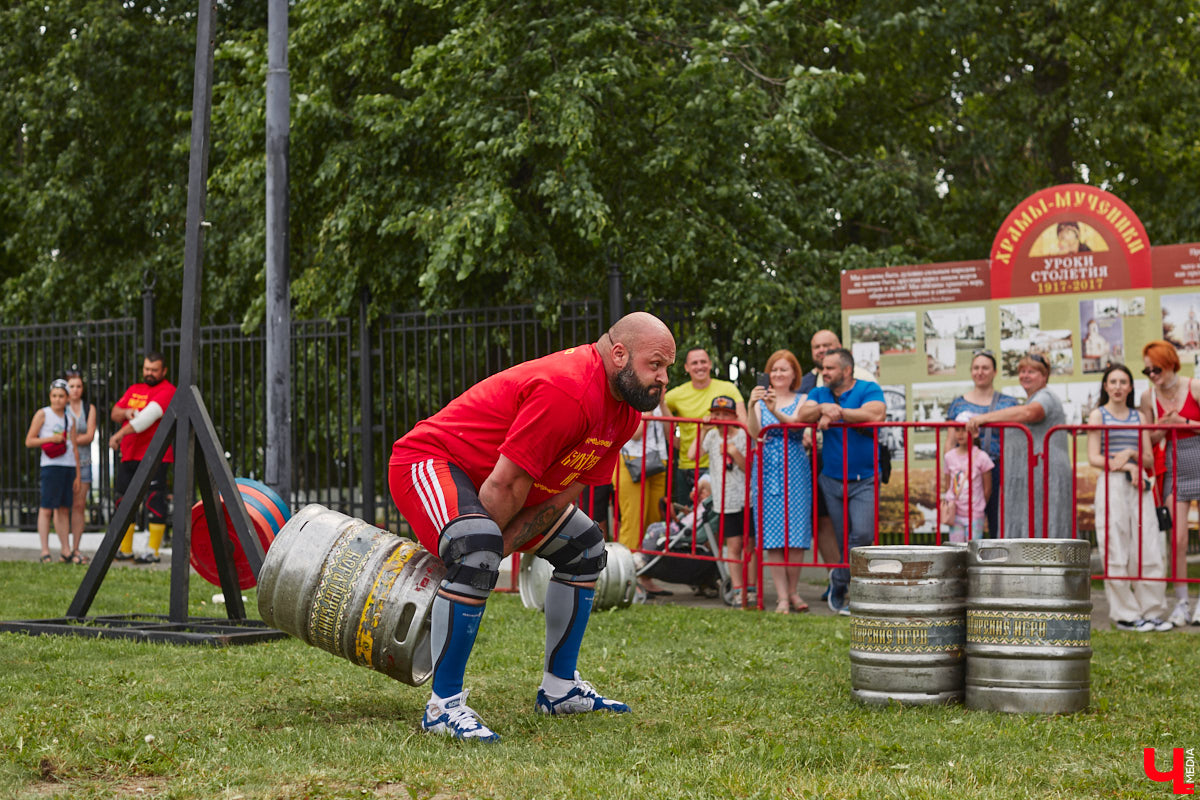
{"x": 537, "y": 525}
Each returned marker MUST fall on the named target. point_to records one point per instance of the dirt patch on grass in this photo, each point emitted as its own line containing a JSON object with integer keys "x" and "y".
{"x": 54, "y": 783}
{"x": 400, "y": 790}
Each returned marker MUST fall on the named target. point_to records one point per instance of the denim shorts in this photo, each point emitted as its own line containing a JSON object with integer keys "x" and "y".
{"x": 85, "y": 473}
{"x": 57, "y": 487}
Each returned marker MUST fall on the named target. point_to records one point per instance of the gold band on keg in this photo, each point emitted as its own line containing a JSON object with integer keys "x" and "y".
{"x": 906, "y": 636}
{"x": 1037, "y": 628}
{"x": 372, "y": 612}
{"x": 346, "y": 561}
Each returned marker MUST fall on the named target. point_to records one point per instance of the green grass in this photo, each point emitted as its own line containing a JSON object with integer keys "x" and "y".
{"x": 726, "y": 704}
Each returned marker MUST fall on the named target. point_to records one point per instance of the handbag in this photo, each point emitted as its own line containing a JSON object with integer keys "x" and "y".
{"x": 653, "y": 466}
{"x": 1164, "y": 518}
{"x": 54, "y": 449}
{"x": 1163, "y": 512}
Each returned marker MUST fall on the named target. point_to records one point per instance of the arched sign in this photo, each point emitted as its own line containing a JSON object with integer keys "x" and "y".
{"x": 1069, "y": 239}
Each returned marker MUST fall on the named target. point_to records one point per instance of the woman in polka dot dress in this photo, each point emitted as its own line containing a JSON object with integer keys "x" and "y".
{"x": 787, "y": 518}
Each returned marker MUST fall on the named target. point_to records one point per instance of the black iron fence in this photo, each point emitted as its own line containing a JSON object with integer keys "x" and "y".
{"x": 357, "y": 385}
{"x": 106, "y": 354}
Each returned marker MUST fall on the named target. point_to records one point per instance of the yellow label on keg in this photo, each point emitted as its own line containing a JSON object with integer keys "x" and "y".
{"x": 372, "y": 612}
{"x": 906, "y": 636}
{"x": 1038, "y": 628}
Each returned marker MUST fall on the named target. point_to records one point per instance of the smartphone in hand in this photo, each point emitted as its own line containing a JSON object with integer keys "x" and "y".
{"x": 764, "y": 380}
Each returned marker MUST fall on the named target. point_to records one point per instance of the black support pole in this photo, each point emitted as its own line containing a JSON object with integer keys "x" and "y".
{"x": 279, "y": 300}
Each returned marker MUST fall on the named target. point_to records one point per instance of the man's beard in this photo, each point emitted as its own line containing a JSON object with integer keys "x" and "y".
{"x": 150, "y": 380}
{"x": 643, "y": 398}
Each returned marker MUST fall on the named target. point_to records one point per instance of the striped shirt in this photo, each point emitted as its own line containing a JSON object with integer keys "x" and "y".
{"x": 1119, "y": 440}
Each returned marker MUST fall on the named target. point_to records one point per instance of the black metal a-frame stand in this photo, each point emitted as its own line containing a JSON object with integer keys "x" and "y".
{"x": 188, "y": 419}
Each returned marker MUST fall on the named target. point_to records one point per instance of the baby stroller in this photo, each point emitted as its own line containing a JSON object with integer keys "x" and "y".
{"x": 708, "y": 578}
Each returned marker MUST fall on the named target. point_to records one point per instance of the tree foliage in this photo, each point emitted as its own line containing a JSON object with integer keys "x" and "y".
{"x": 735, "y": 157}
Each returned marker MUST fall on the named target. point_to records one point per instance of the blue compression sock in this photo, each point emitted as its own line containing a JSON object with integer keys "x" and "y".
{"x": 567, "y": 611}
{"x": 453, "y": 626}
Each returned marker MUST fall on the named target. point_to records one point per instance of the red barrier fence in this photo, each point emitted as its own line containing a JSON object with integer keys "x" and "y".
{"x": 894, "y": 510}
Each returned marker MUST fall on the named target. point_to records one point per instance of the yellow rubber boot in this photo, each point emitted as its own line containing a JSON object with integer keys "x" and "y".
{"x": 157, "y": 531}
{"x": 126, "y": 550}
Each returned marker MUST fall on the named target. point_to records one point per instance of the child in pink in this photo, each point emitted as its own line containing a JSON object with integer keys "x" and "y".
{"x": 969, "y": 484}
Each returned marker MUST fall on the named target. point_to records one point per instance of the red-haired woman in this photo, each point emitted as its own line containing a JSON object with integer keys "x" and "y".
{"x": 1175, "y": 400}
{"x": 787, "y": 513}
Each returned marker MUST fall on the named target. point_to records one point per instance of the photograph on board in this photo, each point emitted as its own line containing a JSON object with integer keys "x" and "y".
{"x": 896, "y": 333}
{"x": 930, "y": 400}
{"x": 940, "y": 356}
{"x": 1103, "y": 334}
{"x": 967, "y": 326}
{"x": 1181, "y": 323}
{"x": 866, "y": 355}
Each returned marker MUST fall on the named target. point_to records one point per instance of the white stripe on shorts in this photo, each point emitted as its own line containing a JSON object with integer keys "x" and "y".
{"x": 427, "y": 499}
{"x": 440, "y": 497}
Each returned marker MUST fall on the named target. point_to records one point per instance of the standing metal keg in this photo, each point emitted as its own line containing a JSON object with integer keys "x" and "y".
{"x": 907, "y": 624}
{"x": 614, "y": 588}
{"x": 353, "y": 590}
{"x": 1029, "y": 630}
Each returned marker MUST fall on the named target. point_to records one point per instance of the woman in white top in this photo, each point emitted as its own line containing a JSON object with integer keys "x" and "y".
{"x": 82, "y": 415}
{"x": 50, "y": 430}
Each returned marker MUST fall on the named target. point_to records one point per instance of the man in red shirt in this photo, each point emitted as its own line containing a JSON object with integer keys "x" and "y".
{"x": 497, "y": 471}
{"x": 138, "y": 413}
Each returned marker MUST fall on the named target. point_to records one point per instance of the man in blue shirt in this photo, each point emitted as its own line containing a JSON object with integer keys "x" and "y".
{"x": 848, "y": 457}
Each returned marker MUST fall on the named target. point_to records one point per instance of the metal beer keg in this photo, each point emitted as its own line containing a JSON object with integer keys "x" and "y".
{"x": 353, "y": 590}
{"x": 614, "y": 588}
{"x": 1029, "y": 605}
{"x": 907, "y": 624}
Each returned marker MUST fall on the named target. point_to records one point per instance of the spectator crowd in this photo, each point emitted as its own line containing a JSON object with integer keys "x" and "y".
{"x": 801, "y": 439}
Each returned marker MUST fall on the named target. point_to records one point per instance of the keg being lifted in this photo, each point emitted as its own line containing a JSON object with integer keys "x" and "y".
{"x": 353, "y": 590}
{"x": 1029, "y": 605}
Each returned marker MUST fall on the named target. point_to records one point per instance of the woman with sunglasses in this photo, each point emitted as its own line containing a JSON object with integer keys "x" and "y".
{"x": 982, "y": 399}
{"x": 1175, "y": 400}
{"x": 1041, "y": 412}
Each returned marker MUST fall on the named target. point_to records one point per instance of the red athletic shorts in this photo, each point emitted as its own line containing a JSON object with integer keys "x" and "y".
{"x": 429, "y": 494}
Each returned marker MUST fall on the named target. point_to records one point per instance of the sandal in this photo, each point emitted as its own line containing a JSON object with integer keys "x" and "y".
{"x": 78, "y": 558}
{"x": 782, "y": 607}
{"x": 798, "y": 605}
{"x": 46, "y": 558}
{"x": 64, "y": 558}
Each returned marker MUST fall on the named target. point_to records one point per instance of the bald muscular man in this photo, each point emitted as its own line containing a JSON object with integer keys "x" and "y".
{"x": 498, "y": 471}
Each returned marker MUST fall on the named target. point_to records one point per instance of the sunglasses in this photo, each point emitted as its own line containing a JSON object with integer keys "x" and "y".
{"x": 1039, "y": 359}
{"x": 987, "y": 353}
{"x": 1149, "y": 371}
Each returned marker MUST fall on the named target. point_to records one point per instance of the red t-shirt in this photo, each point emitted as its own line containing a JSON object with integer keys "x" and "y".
{"x": 138, "y": 396}
{"x": 554, "y": 417}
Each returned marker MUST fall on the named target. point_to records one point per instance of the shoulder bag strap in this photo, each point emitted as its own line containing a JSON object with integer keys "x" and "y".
{"x": 990, "y": 433}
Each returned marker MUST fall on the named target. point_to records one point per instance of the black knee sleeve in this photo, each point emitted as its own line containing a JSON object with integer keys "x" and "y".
{"x": 576, "y": 548}
{"x": 471, "y": 547}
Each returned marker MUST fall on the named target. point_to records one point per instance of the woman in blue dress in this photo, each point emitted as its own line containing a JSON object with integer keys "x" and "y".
{"x": 787, "y": 513}
{"x": 981, "y": 399}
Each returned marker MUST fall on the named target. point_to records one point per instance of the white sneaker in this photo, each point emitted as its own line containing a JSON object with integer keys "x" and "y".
{"x": 582, "y": 698}
{"x": 1138, "y": 625}
{"x": 453, "y": 717}
{"x": 1179, "y": 615}
{"x": 1196, "y": 614}
{"x": 1159, "y": 625}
